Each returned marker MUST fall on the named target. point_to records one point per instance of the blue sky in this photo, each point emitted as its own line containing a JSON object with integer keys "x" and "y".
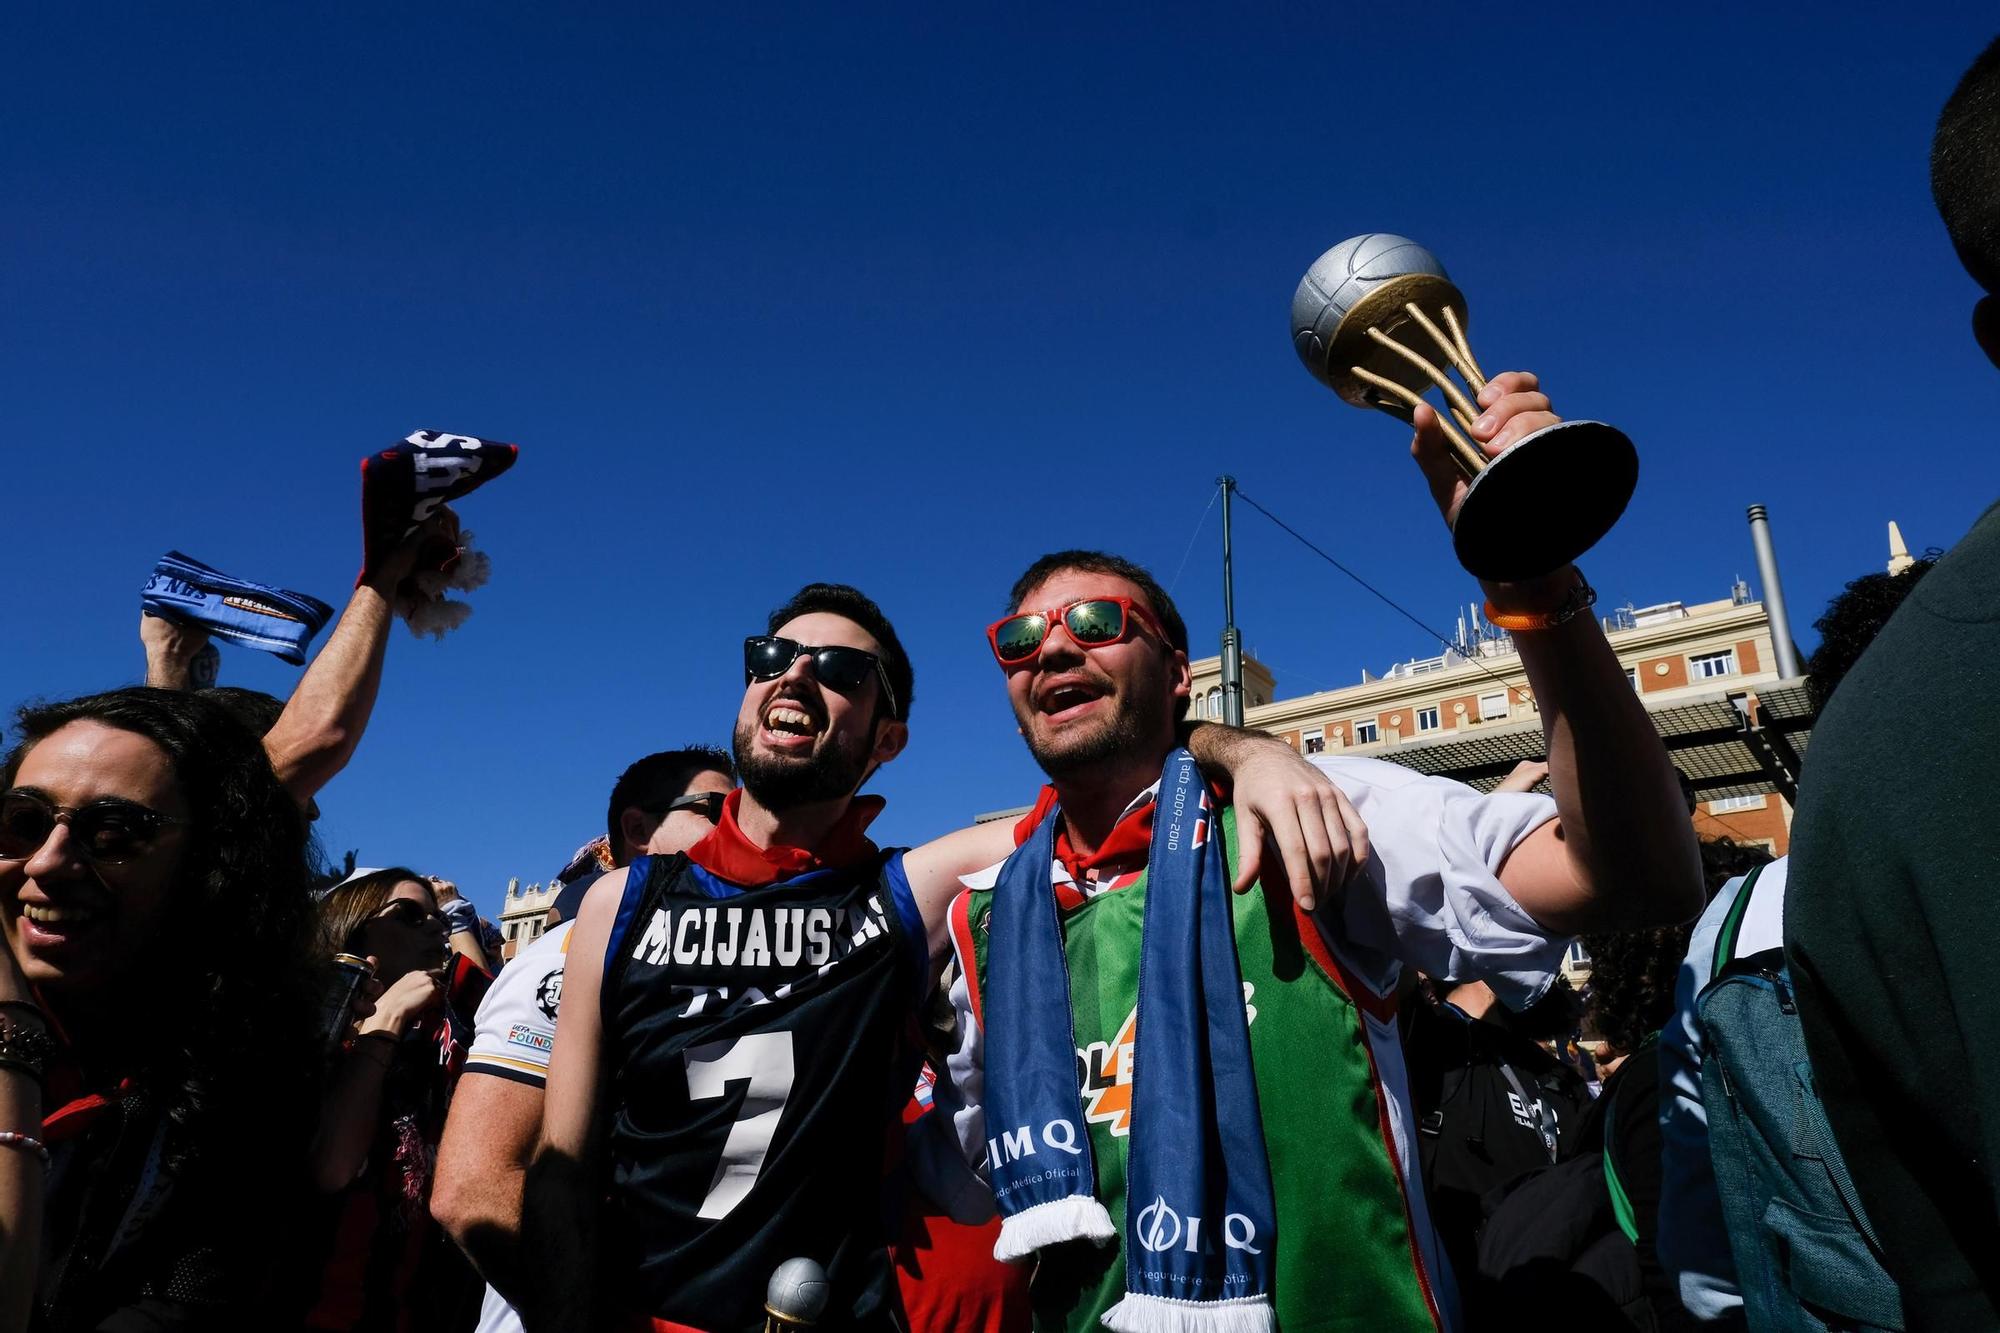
{"x": 905, "y": 297}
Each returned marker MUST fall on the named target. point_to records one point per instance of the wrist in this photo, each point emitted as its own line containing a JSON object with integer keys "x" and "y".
{"x": 1544, "y": 603}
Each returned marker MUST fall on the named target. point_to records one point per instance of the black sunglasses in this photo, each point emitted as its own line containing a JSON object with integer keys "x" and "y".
{"x": 107, "y": 832}
{"x": 766, "y": 657}
{"x": 708, "y": 804}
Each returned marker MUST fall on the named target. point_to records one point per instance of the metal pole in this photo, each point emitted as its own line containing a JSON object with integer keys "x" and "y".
{"x": 1232, "y": 642}
{"x": 1774, "y": 595}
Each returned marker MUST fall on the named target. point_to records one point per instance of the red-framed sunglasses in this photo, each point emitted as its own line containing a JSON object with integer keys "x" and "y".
{"x": 1090, "y": 622}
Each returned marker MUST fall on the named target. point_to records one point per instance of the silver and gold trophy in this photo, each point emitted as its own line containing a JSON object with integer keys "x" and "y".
{"x": 795, "y": 1297}
{"x": 1373, "y": 319}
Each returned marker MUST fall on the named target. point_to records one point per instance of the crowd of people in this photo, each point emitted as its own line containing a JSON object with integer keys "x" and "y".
{"x": 235, "y": 1093}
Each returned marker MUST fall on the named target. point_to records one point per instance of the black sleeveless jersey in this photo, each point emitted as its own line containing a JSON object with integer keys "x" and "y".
{"x": 756, "y": 1040}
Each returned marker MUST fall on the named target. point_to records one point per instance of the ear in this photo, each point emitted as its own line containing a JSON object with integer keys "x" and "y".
{"x": 635, "y": 828}
{"x": 890, "y": 738}
{"x": 1986, "y": 327}
{"x": 1183, "y": 680}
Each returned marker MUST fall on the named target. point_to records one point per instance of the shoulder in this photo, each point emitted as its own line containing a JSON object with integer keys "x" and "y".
{"x": 525, "y": 975}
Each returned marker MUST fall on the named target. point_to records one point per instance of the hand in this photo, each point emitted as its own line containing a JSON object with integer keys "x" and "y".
{"x": 437, "y": 531}
{"x": 1287, "y": 807}
{"x": 1527, "y": 775}
{"x": 444, "y": 889}
{"x": 407, "y": 1001}
{"x": 170, "y": 650}
{"x": 1511, "y": 406}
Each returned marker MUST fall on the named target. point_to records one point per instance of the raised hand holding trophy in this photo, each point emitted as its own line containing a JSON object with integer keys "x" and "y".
{"x": 1368, "y": 318}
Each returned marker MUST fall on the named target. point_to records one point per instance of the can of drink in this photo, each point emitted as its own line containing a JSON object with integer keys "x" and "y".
{"x": 349, "y": 971}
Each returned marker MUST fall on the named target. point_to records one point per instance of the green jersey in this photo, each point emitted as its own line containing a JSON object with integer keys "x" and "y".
{"x": 1355, "y": 1245}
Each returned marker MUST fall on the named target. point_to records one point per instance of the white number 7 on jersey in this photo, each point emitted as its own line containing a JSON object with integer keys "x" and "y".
{"x": 765, "y": 1059}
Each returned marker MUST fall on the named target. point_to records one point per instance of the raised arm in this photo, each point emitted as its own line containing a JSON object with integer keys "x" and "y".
{"x": 1621, "y": 853}
{"x": 560, "y": 1204}
{"x": 22, "y": 1171}
{"x": 171, "y": 650}
{"x": 317, "y": 733}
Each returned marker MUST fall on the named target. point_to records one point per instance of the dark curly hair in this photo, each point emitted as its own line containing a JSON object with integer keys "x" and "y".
{"x": 232, "y": 1056}
{"x": 1853, "y": 619}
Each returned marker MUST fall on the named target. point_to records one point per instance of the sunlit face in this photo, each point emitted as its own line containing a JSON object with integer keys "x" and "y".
{"x": 682, "y": 829}
{"x": 78, "y": 928}
{"x": 406, "y": 933}
{"x": 798, "y": 741}
{"x": 1079, "y": 707}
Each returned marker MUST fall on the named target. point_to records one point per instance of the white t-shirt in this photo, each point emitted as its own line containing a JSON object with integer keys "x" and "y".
{"x": 515, "y": 1034}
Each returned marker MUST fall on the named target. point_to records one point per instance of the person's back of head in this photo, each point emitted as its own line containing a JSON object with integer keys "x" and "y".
{"x": 1965, "y": 183}
{"x": 1852, "y": 620}
{"x": 640, "y": 797}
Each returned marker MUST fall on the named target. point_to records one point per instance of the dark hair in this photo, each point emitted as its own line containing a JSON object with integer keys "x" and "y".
{"x": 253, "y": 708}
{"x": 840, "y": 600}
{"x": 1723, "y": 859}
{"x": 225, "y": 1045}
{"x": 1852, "y": 620}
{"x": 1965, "y": 169}
{"x": 349, "y": 904}
{"x": 1098, "y": 562}
{"x": 657, "y": 779}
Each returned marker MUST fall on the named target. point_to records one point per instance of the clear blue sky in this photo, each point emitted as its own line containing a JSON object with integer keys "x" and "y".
{"x": 905, "y": 298}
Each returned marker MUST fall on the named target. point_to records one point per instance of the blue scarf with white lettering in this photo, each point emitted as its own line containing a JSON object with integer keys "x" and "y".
{"x": 1200, "y": 1227}
{"x": 187, "y": 592}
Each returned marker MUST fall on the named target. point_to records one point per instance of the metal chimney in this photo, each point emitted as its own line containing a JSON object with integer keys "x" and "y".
{"x": 1774, "y": 594}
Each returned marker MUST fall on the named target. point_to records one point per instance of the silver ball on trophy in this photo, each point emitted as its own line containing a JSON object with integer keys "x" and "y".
{"x": 796, "y": 1296}
{"x": 1368, "y": 318}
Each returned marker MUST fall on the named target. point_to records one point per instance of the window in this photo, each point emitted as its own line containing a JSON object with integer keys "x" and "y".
{"x": 1727, "y": 803}
{"x": 1365, "y": 733}
{"x": 1632, "y": 675}
{"x": 1427, "y": 718}
{"x": 513, "y": 929}
{"x": 1315, "y": 740}
{"x": 1493, "y": 705}
{"x": 1214, "y": 705}
{"x": 1703, "y": 666}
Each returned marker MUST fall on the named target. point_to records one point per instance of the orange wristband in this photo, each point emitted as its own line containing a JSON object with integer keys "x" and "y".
{"x": 1580, "y": 599}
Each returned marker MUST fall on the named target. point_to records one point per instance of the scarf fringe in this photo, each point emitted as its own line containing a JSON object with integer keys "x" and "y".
{"x": 423, "y": 604}
{"x": 1141, "y": 1313}
{"x": 1075, "y": 1217}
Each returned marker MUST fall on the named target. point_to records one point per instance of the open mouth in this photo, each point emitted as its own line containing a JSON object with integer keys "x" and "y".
{"x": 46, "y": 925}
{"x": 790, "y": 724}
{"x": 1065, "y": 700}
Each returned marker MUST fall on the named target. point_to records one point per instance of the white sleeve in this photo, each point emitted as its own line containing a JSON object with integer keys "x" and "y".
{"x": 515, "y": 1029}
{"x": 1430, "y": 896}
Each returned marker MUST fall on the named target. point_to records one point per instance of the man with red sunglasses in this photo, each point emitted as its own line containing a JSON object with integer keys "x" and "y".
{"x": 733, "y": 1048}
{"x": 1453, "y": 883}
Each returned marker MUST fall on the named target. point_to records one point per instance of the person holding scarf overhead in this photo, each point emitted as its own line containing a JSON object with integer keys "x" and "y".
{"x": 1209, "y": 1089}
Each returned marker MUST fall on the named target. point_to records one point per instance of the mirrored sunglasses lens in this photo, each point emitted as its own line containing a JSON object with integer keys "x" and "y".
{"x": 1095, "y": 622}
{"x": 1019, "y": 637}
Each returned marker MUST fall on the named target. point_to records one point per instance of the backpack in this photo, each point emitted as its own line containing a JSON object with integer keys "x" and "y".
{"x": 1806, "y": 1256}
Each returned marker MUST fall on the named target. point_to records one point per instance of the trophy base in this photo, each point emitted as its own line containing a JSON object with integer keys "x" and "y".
{"x": 1545, "y": 501}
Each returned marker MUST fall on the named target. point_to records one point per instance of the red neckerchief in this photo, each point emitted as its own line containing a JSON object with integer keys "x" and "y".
{"x": 75, "y": 1110}
{"x": 729, "y": 855}
{"x": 1125, "y": 847}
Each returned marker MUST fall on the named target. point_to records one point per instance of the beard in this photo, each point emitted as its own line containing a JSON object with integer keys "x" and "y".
{"x": 1132, "y": 728}
{"x": 785, "y": 782}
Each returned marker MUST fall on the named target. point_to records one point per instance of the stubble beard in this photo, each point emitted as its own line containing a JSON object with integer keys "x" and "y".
{"x": 784, "y": 782}
{"x": 1117, "y": 738}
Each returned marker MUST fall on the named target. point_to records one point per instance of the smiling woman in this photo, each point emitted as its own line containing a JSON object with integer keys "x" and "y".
{"x": 154, "y": 896}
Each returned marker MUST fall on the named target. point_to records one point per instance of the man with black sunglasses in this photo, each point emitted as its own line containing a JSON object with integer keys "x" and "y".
{"x": 660, "y": 805}
{"x": 1325, "y": 1222}
{"x": 734, "y": 1047}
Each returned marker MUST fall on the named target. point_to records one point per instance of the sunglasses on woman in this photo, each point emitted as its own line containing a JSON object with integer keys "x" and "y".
{"x": 766, "y": 657}
{"x": 107, "y": 832}
{"x": 1090, "y": 622}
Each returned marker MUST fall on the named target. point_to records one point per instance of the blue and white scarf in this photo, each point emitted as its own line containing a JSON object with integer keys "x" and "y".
{"x": 1200, "y": 1228}
{"x": 187, "y": 592}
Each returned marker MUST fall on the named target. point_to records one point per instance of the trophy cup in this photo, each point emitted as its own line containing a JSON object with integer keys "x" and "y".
{"x": 795, "y": 1297}
{"x": 1368, "y": 318}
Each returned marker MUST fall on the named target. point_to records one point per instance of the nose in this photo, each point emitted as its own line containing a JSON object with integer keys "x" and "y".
{"x": 60, "y": 850}
{"x": 1057, "y": 645}
{"x": 800, "y": 670}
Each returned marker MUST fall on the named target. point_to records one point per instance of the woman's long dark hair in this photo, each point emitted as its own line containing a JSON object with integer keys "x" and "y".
{"x": 220, "y": 1014}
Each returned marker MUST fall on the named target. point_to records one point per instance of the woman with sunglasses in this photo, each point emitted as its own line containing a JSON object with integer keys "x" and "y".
{"x": 155, "y": 1017}
{"x": 388, "y": 1266}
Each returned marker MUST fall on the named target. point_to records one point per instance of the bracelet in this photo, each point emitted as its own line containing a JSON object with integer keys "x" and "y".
{"x": 24, "y": 1048}
{"x": 1580, "y": 599}
{"x": 26, "y": 1143}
